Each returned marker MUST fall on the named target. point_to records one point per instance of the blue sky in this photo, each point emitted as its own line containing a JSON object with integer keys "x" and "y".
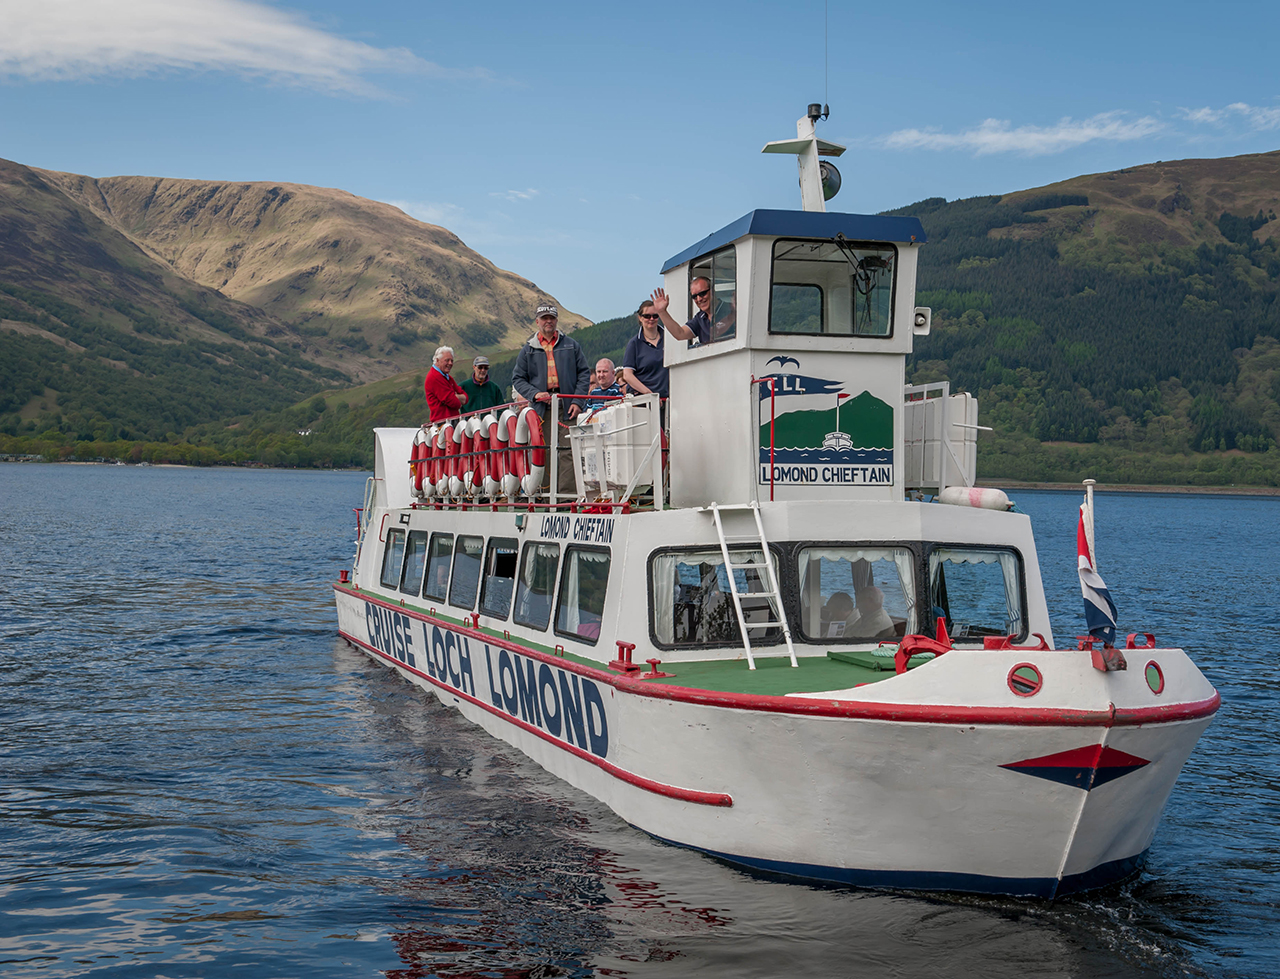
{"x": 581, "y": 144}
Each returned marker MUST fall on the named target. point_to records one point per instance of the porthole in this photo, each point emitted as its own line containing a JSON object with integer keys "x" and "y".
{"x": 1025, "y": 680}
{"x": 1155, "y": 677}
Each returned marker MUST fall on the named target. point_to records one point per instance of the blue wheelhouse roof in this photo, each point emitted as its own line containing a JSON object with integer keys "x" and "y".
{"x": 806, "y": 224}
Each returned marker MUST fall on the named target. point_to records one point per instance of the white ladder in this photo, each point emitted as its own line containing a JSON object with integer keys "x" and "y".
{"x": 773, "y": 596}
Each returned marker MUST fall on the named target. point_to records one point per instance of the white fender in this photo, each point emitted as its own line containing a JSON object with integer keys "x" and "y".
{"x": 984, "y": 498}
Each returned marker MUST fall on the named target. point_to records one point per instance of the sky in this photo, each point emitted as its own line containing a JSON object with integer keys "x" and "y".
{"x": 580, "y": 145}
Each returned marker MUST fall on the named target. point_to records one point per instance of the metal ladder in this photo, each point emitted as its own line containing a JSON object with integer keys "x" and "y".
{"x": 773, "y": 596}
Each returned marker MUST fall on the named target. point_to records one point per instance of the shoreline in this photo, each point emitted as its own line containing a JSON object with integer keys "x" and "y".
{"x": 1018, "y": 484}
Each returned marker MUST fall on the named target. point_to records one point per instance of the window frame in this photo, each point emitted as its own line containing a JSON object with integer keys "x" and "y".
{"x": 691, "y": 307}
{"x": 777, "y": 554}
{"x": 489, "y": 546}
{"x": 453, "y": 570}
{"x": 795, "y": 602}
{"x": 386, "y": 551}
{"x": 417, "y": 589}
{"x": 931, "y": 546}
{"x": 555, "y": 582}
{"x": 893, "y": 290}
{"x": 822, "y": 309}
{"x": 564, "y": 560}
{"x": 426, "y": 572}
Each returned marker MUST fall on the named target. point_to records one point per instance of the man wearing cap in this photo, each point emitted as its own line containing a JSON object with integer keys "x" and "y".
{"x": 553, "y": 363}
{"x": 482, "y": 393}
{"x": 444, "y": 397}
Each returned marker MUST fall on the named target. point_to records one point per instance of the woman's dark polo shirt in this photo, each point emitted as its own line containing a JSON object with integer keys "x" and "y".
{"x": 645, "y": 360}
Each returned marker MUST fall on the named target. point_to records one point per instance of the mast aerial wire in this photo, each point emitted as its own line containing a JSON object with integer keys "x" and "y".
{"x": 826, "y": 63}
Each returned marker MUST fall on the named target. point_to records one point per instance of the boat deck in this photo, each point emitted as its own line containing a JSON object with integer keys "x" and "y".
{"x": 773, "y": 675}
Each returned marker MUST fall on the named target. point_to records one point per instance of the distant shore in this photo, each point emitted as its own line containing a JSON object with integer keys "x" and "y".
{"x": 1015, "y": 484}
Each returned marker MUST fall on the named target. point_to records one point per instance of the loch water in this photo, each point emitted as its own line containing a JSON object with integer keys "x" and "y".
{"x": 198, "y": 777}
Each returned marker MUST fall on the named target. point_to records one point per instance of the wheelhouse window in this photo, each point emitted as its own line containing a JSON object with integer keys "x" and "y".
{"x": 467, "y": 553}
{"x": 535, "y": 584}
{"x": 691, "y": 603}
{"x": 499, "y": 578}
{"x": 717, "y": 275}
{"x": 392, "y": 558}
{"x": 439, "y": 554}
{"x": 837, "y": 287}
{"x": 978, "y": 591}
{"x": 415, "y": 563}
{"x": 856, "y": 594}
{"x": 580, "y": 607}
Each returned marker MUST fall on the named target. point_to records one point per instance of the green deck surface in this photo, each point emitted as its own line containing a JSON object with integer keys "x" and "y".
{"x": 773, "y": 675}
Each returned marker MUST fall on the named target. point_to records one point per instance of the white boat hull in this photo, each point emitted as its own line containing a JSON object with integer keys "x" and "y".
{"x": 890, "y": 784}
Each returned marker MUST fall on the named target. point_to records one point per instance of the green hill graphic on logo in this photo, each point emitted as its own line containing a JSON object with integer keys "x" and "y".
{"x": 866, "y": 419}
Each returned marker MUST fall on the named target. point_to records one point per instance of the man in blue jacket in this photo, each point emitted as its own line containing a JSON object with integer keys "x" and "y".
{"x": 553, "y": 363}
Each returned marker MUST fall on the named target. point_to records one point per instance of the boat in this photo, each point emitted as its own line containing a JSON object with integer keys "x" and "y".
{"x": 784, "y": 626}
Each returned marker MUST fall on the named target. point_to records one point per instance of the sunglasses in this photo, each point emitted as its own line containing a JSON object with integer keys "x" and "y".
{"x": 700, "y": 295}
{"x": 482, "y": 368}
{"x": 650, "y": 316}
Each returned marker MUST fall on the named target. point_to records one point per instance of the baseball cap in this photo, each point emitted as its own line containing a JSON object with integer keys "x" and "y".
{"x": 480, "y": 362}
{"x": 546, "y": 309}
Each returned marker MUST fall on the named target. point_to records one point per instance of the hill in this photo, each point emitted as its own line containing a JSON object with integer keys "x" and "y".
{"x": 136, "y": 308}
{"x": 1126, "y": 321}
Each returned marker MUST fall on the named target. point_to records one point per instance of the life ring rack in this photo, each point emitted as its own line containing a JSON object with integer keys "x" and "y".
{"x": 482, "y": 456}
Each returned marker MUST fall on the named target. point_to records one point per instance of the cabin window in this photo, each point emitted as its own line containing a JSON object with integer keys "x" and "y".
{"x": 840, "y": 288}
{"x": 499, "y": 579}
{"x": 392, "y": 558}
{"x": 978, "y": 591}
{"x": 415, "y": 563}
{"x": 535, "y": 584}
{"x": 467, "y": 553}
{"x": 439, "y": 554}
{"x": 717, "y": 272}
{"x": 691, "y": 604}
{"x": 580, "y": 608}
{"x": 856, "y": 594}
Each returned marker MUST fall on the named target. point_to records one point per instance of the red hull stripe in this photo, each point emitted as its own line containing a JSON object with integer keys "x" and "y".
{"x": 631, "y": 778}
{"x": 861, "y": 710}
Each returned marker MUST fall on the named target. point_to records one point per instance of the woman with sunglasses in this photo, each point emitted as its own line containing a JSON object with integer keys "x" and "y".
{"x": 642, "y": 361}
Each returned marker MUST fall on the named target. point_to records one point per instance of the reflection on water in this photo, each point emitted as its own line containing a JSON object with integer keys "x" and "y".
{"x": 198, "y": 777}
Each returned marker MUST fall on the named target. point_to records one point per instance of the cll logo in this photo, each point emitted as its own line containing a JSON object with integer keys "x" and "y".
{"x": 813, "y": 432}
{"x": 565, "y": 705}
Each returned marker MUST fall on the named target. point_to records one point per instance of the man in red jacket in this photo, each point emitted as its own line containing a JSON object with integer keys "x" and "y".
{"x": 445, "y": 396}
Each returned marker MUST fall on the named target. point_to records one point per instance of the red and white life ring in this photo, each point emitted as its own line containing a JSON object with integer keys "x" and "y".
{"x": 459, "y": 445}
{"x": 444, "y": 466}
{"x": 532, "y": 464}
{"x": 493, "y": 469}
{"x": 418, "y": 456}
{"x": 477, "y": 442}
{"x": 506, "y": 432}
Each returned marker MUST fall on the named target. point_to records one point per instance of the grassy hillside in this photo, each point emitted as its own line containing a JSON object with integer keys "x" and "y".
{"x": 371, "y": 289}
{"x": 1126, "y": 321}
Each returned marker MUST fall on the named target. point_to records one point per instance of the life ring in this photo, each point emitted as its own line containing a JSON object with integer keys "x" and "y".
{"x": 477, "y": 442}
{"x": 444, "y": 466}
{"x": 458, "y": 439}
{"x": 418, "y": 455}
{"x": 533, "y": 457}
{"x": 506, "y": 435}
{"x": 493, "y": 470}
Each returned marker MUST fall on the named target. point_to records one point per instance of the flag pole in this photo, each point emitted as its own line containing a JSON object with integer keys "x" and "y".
{"x": 1088, "y": 524}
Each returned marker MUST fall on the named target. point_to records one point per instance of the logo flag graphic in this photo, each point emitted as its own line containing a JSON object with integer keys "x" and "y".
{"x": 1099, "y": 610}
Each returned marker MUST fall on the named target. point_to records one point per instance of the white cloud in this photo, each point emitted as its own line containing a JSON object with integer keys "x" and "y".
{"x": 999, "y": 136}
{"x": 515, "y": 195}
{"x": 76, "y": 39}
{"x": 1257, "y": 118}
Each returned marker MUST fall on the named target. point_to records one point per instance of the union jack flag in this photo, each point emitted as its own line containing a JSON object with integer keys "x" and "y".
{"x": 1099, "y": 609}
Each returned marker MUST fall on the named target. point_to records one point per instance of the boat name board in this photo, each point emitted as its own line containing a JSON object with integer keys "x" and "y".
{"x": 559, "y": 702}
{"x": 585, "y": 530}
{"x": 828, "y": 475}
